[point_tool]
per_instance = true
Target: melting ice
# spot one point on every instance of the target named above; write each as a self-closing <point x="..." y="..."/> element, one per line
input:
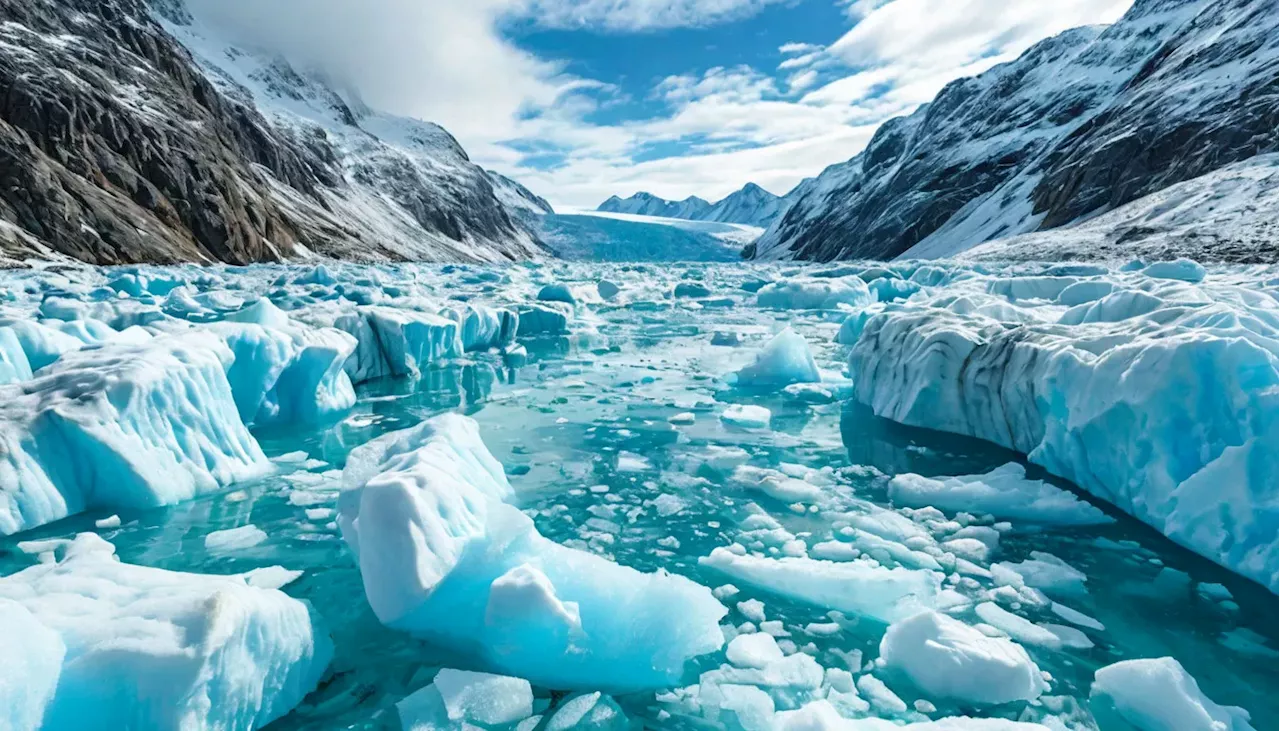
<point x="562" y="496"/>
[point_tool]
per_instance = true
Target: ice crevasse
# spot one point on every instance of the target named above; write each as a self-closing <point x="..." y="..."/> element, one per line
<point x="83" y="634"/>
<point x="1169" y="409"/>
<point x="444" y="557"/>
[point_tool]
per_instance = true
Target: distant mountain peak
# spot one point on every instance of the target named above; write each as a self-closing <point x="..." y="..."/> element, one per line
<point x="751" y="205"/>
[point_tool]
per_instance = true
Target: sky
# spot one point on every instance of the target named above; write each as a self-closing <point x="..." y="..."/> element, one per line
<point x="583" y="99"/>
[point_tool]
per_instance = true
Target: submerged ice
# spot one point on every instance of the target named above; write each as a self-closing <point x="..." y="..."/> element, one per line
<point x="567" y="496"/>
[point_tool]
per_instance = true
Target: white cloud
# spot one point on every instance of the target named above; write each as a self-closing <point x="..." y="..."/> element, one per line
<point x="441" y="61"/>
<point x="447" y="61"/>
<point x="633" y="15"/>
<point x="941" y="33"/>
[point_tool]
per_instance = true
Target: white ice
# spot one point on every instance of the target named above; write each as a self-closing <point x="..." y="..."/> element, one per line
<point x="1004" y="492"/>
<point x="442" y="556"/>
<point x="1158" y="695"/>
<point x="949" y="660"/>
<point x="210" y="651"/>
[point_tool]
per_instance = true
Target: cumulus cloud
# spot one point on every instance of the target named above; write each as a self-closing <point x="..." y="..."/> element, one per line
<point x="449" y="62"/>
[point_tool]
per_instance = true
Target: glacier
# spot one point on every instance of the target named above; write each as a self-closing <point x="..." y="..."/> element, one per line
<point x="700" y="495"/>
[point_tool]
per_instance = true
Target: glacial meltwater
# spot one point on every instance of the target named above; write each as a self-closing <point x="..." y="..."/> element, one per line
<point x="816" y="524"/>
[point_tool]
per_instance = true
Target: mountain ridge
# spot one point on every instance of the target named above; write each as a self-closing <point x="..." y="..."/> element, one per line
<point x="751" y="204"/>
<point x="132" y="135"/>
<point x="1081" y="123"/>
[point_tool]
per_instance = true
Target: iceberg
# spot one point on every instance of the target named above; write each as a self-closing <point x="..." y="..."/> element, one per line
<point x="443" y="557"/>
<point x="1173" y="416"/>
<point x="210" y="651"/>
<point x="784" y="361"/>
<point x="397" y="342"/>
<point x="801" y="293"/>
<point x="1158" y="695"/>
<point x="126" y="426"/>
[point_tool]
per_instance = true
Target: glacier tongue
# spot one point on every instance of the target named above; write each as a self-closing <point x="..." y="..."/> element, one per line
<point x="144" y="648"/>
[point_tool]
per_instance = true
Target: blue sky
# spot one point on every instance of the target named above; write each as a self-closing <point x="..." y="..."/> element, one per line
<point x="583" y="99"/>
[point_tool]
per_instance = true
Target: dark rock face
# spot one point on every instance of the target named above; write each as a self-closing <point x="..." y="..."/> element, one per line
<point x="1083" y="122"/>
<point x="115" y="147"/>
<point x="1156" y="138"/>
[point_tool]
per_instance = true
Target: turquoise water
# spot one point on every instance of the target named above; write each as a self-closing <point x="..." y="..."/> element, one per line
<point x="558" y="424"/>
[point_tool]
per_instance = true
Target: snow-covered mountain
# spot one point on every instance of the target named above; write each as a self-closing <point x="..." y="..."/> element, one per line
<point x="517" y="197"/>
<point x="131" y="133"/>
<point x="752" y="205"/>
<point x="1080" y="124"/>
<point x="648" y="204"/>
<point x="1228" y="215"/>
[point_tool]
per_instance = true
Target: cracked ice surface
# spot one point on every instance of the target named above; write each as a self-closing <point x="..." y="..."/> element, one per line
<point x="666" y="502"/>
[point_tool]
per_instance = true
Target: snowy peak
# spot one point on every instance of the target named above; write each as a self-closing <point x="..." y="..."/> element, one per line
<point x="752" y="205"/>
<point x="1078" y="125"/>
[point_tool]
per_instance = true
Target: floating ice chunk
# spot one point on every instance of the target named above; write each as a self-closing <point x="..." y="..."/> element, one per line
<point x="1018" y="628"/>
<point x="544" y="319"/>
<point x="482" y="328"/>
<point x="211" y="651"/>
<point x="755" y="650"/>
<point x="1004" y="492"/>
<point x="263" y="313"/>
<point x="588" y="712"/>
<point x="1076" y="617"/>
<point x="691" y="289"/>
<point x="557" y="293"/>
<point x="776" y="485"/>
<point x="271" y="577"/>
<point x="1183" y="270"/>
<point x="397" y="342"/>
<point x="234" y="539"/>
<point x="442" y="557"/>
<point x="607" y="290"/>
<point x="1046" y="572"/>
<point x="949" y="660"/>
<point x="294" y="375"/>
<point x="423" y="710"/>
<point x="112" y="521"/>
<point x="667" y="504"/>
<point x="1158" y="695"/>
<point x="857" y="588"/>
<point x="491" y="700"/>
<point x="631" y="462"/>
<point x="747" y="416"/>
<point x="120" y="427"/>
<point x="33" y="656"/>
<point x="878" y="693"/>
<point x="785" y="360"/>
<point x="801" y="293"/>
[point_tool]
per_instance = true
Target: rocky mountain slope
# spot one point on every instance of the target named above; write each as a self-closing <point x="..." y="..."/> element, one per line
<point x="128" y="134"/>
<point x="1081" y="123"/>
<point x="752" y="205"/>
